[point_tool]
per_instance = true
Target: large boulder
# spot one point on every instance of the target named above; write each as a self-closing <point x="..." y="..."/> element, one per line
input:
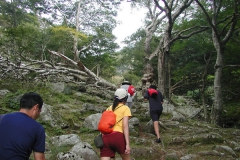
<point x="92" y="121"/>
<point x="64" y="140"/>
<point x="85" y="150"/>
<point x="47" y="115"/>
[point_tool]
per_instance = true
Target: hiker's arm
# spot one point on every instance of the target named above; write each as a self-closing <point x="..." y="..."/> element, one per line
<point x="161" y="98"/>
<point x="126" y="134"/>
<point x="134" y="94"/>
<point x="39" y="156"/>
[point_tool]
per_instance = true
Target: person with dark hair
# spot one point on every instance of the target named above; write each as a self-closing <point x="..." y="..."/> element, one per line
<point x="125" y="85"/>
<point x="118" y="141"/>
<point x="20" y="133"/>
<point x="155" y="100"/>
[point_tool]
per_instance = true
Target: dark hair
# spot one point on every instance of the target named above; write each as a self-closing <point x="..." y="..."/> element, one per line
<point x="153" y="86"/>
<point x="28" y="100"/>
<point x="116" y="102"/>
<point x="126" y="83"/>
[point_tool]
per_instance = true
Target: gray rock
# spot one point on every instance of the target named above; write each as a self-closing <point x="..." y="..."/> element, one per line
<point x="68" y="156"/>
<point x="172" y="156"/>
<point x="92" y="121"/>
<point x="225" y="149"/>
<point x="85" y="150"/>
<point x="178" y="117"/>
<point x="168" y="108"/>
<point x="48" y="116"/>
<point x="64" y="140"/>
<point x="189" y="157"/>
<point x="212" y="153"/>
<point x="171" y="124"/>
<point x="237" y="132"/>
<point x="57" y="87"/>
<point x="134" y="121"/>
<point x="4" y="92"/>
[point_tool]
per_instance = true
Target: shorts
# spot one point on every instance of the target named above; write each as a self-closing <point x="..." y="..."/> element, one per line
<point x="113" y="142"/>
<point x="155" y="115"/>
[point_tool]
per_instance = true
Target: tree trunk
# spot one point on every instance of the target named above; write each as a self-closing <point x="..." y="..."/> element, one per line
<point x="14" y="14"/>
<point x="161" y="75"/>
<point x="163" y="70"/>
<point x="218" y="102"/>
<point x="204" y="81"/>
<point x="147" y="78"/>
<point x="75" y="46"/>
<point x="203" y="97"/>
<point x="167" y="77"/>
<point x="221" y="33"/>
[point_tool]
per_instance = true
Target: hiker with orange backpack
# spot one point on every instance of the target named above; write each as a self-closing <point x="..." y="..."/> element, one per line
<point x="118" y="139"/>
<point x="155" y="100"/>
<point x="131" y="92"/>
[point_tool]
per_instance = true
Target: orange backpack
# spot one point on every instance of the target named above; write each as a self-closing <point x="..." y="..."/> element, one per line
<point x="107" y="121"/>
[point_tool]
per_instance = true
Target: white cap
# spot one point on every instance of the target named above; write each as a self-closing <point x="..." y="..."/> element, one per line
<point x="121" y="93"/>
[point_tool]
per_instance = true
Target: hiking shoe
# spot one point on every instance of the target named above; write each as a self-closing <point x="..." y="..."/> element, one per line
<point x="158" y="140"/>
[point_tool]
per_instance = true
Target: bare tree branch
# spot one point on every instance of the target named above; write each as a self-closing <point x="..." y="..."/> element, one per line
<point x="79" y="65"/>
<point x="180" y="36"/>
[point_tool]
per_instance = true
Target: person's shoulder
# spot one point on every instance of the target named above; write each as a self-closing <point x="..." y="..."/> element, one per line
<point x="126" y="108"/>
<point x="39" y="128"/>
<point x="14" y="113"/>
<point x="19" y="115"/>
<point x="123" y="107"/>
<point x="159" y="91"/>
<point x="109" y="108"/>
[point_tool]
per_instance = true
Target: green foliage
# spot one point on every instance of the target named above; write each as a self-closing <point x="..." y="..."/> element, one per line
<point x="85" y="130"/>
<point x="131" y="57"/>
<point x="188" y="63"/>
<point x="11" y="84"/>
<point x="58" y="131"/>
<point x="176" y="100"/>
<point x="232" y="110"/>
<point x="14" y="13"/>
<point x="131" y="78"/>
<point x="62" y="40"/>
<point x="13" y="104"/>
<point x="26" y="37"/>
<point x="87" y="99"/>
<point x="100" y="55"/>
<point x="57" y="149"/>
<point x="11" y="101"/>
<point x="52" y="131"/>
<point x="231" y="73"/>
<point x="67" y="90"/>
<point x="104" y="62"/>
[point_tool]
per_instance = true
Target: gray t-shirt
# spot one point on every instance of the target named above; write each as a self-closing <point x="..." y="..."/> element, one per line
<point x="130" y="98"/>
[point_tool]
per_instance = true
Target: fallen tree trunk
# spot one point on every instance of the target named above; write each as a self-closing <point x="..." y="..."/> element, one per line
<point x="34" y="70"/>
<point x="98" y="81"/>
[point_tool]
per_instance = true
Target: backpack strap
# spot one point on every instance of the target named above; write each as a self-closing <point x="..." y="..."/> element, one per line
<point x="108" y="109"/>
<point x="115" y="110"/>
<point x="118" y="107"/>
<point x="118" y="121"/>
